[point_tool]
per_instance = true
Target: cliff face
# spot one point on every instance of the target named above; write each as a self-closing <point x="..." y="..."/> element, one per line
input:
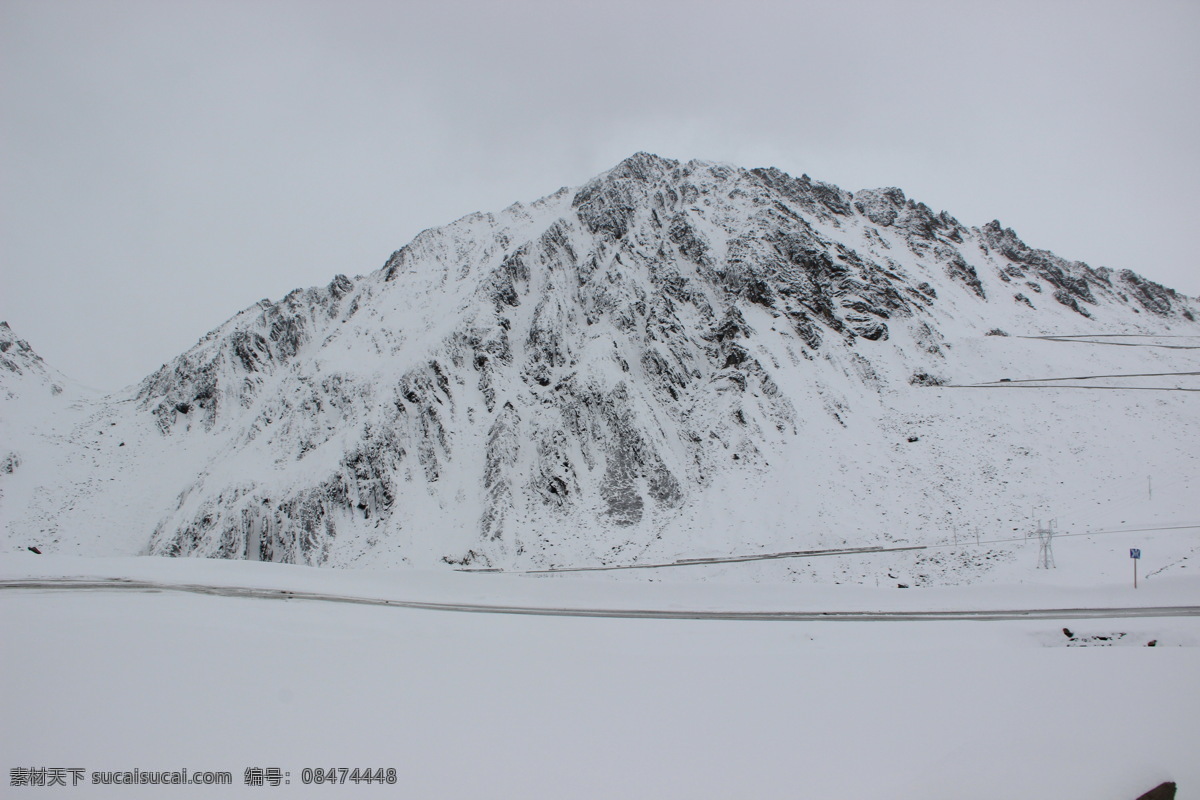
<point x="22" y="370"/>
<point x="609" y="373"/>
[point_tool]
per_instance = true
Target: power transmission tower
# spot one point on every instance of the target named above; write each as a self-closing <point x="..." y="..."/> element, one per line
<point x="1045" y="534"/>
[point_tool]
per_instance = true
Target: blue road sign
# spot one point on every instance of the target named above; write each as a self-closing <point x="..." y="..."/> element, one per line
<point x="1135" y="552"/>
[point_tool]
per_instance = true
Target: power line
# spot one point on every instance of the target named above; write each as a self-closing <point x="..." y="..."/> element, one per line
<point x="1082" y="533"/>
<point x="695" y="562"/>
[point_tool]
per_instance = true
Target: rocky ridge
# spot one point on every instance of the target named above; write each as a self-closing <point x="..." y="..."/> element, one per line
<point x="570" y="379"/>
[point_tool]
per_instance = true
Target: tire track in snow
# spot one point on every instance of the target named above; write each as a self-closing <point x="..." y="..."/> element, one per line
<point x="1018" y="385"/>
<point x="1095" y="377"/>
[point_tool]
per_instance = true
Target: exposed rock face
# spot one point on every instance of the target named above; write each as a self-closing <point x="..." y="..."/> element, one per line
<point x="585" y="366"/>
<point x="22" y="367"/>
<point x="1071" y="283"/>
<point x="1151" y="296"/>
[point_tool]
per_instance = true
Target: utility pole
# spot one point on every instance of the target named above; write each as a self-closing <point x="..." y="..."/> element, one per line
<point x="1045" y="536"/>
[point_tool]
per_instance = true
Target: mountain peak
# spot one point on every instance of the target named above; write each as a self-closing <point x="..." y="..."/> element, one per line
<point x="642" y="166"/>
<point x="609" y="375"/>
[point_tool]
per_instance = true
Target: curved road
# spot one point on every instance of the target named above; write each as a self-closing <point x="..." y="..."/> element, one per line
<point x="120" y="584"/>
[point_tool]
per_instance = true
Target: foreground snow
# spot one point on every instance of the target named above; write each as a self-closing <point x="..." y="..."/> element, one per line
<point x="481" y="705"/>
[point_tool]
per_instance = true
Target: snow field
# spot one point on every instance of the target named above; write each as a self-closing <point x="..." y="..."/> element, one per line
<point x="487" y="705"/>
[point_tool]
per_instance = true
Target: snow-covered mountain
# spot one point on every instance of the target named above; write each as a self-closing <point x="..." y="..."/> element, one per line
<point x="675" y="360"/>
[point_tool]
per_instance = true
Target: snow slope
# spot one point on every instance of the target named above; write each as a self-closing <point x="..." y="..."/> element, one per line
<point x="675" y="360"/>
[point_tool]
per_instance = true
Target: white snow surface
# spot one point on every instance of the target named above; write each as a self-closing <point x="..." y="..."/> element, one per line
<point x="675" y="361"/>
<point x="469" y="705"/>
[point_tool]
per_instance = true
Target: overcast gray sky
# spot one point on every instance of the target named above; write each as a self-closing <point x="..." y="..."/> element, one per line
<point x="165" y="164"/>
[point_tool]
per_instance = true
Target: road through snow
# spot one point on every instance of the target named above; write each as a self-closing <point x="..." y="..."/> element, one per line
<point x="124" y="585"/>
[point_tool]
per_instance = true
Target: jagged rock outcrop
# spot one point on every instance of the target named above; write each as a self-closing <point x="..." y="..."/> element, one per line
<point x="22" y="368"/>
